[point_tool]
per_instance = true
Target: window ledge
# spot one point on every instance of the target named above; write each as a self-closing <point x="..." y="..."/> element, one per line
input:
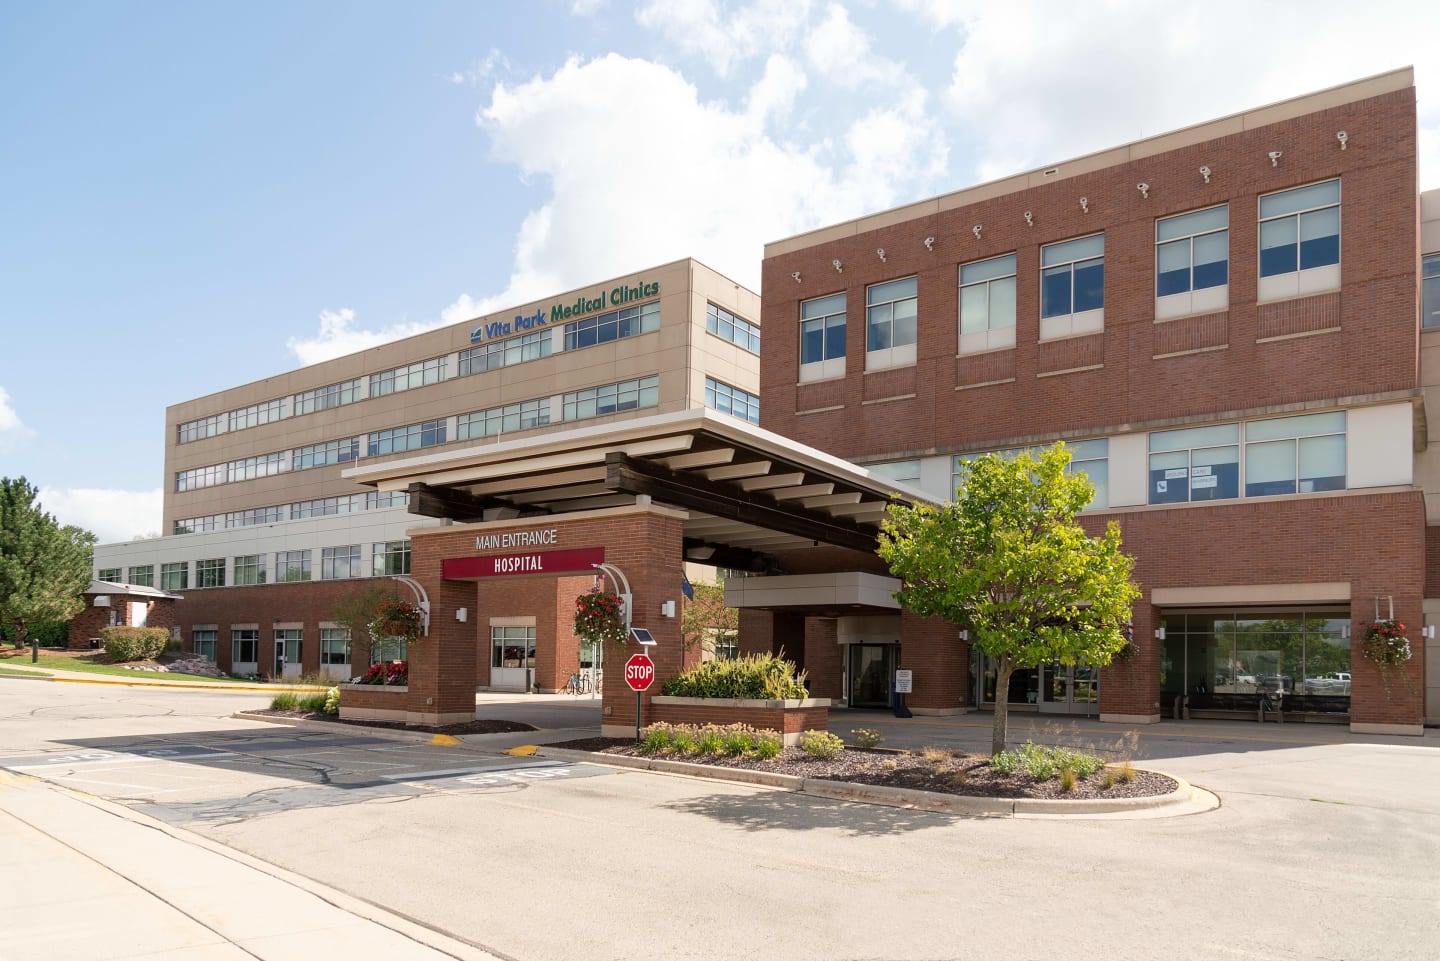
<point x="886" y="370"/>
<point x="1265" y="499"/>
<point x="1001" y="350"/>
<point x="1265" y="302"/>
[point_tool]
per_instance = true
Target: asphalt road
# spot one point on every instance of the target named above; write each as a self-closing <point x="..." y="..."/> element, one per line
<point x="1326" y="846"/>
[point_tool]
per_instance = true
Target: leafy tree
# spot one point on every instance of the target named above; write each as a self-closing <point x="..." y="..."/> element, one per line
<point x="357" y="611"/>
<point x="705" y="618"/>
<point x="1007" y="559"/>
<point x="44" y="568"/>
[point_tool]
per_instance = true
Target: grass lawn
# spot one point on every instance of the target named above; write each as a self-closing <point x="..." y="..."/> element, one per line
<point x="4" y="669"/>
<point x="12" y="660"/>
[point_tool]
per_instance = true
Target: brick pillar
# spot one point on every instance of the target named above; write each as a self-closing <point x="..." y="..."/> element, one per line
<point x="757" y="632"/>
<point x="931" y="648"/>
<point x="824" y="658"/>
<point x="647" y="546"/>
<point x="1130" y="689"/>
<point x="442" y="665"/>
<point x="1386" y="700"/>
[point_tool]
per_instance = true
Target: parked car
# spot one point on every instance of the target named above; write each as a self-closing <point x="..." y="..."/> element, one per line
<point x="1337" y="682"/>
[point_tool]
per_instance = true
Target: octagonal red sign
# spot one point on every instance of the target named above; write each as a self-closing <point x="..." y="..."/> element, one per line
<point x="639" y="672"/>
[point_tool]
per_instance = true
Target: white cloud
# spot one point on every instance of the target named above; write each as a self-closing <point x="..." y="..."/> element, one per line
<point x="840" y="51"/>
<point x="113" y="515"/>
<point x="12" y="428"/>
<point x="1041" y="82"/>
<point x="339" y="336"/>
<point x="664" y="175"/>
<point x="586" y="8"/>
<point x="698" y="27"/>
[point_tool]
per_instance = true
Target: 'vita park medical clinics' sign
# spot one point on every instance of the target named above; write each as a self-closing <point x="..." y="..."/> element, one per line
<point x="559" y="313"/>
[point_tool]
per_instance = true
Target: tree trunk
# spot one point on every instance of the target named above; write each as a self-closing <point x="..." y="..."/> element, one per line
<point x="1003" y="669"/>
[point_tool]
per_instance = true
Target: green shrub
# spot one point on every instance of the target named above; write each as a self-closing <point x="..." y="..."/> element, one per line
<point x="710" y="740"/>
<point x="729" y="740"/>
<point x="43" y="634"/>
<point x="754" y="676"/>
<point x="174" y="645"/>
<point x="332" y="701"/>
<point x="287" y="701"/>
<point x="1042" y="763"/>
<point x="134" y="643"/>
<point x="821" y="744"/>
<point x="767" y="747"/>
<point x="866" y="737"/>
<point x="684" y="740"/>
<point x="313" y="702"/>
<point x="657" y="739"/>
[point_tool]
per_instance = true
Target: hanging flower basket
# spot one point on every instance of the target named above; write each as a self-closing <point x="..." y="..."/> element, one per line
<point x="1386" y="644"/>
<point x="600" y="616"/>
<point x="396" y="619"/>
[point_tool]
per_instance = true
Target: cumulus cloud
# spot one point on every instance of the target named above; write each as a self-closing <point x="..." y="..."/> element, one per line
<point x="339" y="336"/>
<point x="112" y="515"/>
<point x="840" y="51"/>
<point x="586" y="8"/>
<point x="699" y="28"/>
<point x="1041" y="82"/>
<point x="12" y="428"/>
<point x="713" y="183"/>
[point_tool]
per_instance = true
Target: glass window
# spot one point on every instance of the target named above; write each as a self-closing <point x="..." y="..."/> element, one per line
<point x="1300" y="229"/>
<point x="512" y="646"/>
<point x="331" y="452"/>
<point x="1195" y="464"/>
<point x="987" y="304"/>
<point x="391" y="557"/>
<point x="410" y="437"/>
<point x="611" y="398"/>
<point x="210" y="573"/>
<point x="244" y="646"/>
<point x="324" y="398"/>
<point x="615" y="325"/>
<point x="142" y="576"/>
<point x="1072" y="278"/>
<point x="1430" y="291"/>
<point x="338" y="562"/>
<point x="900" y="471"/>
<point x="1289" y="455"/>
<point x="204" y="644"/>
<point x="1090" y="457"/>
<point x="250" y="569"/>
<point x="822" y="337"/>
<point x="890" y="321"/>
<point x="1192" y="251"/>
<point x="110" y="575"/>
<point x="410" y="376"/>
<point x="737" y="330"/>
<point x="292" y="566"/>
<point x="197" y="429"/>
<point x="503" y="353"/>
<point x="498" y="420"/>
<point x="335" y="648"/>
<point x="175" y="577"/>
<point x="731" y="400"/>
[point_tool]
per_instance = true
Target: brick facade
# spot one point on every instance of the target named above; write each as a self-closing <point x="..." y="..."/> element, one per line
<point x="86" y="626"/>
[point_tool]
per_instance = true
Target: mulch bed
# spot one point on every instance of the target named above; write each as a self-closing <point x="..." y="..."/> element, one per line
<point x="968" y="775"/>
<point x="468" y="727"/>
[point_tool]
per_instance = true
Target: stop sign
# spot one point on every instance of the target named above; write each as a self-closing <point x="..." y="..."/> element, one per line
<point x="639" y="672"/>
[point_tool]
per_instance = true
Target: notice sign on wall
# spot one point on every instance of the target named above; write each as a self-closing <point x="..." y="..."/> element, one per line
<point x="581" y="561"/>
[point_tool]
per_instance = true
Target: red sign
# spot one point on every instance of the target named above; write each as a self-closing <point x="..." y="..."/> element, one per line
<point x="639" y="672"/>
<point x="530" y="562"/>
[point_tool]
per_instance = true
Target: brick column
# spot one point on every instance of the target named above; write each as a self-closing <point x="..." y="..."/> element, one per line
<point x="1130" y="689"/>
<point x="1386" y="700"/>
<point x="824" y="659"/>
<point x="931" y="648"/>
<point x="442" y="666"/>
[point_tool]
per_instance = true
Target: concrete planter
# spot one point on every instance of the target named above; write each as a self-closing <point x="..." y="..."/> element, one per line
<point x="374" y="702"/>
<point x="790" y="718"/>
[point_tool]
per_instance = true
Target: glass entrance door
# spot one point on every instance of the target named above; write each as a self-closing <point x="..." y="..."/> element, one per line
<point x="1069" y="689"/>
<point x="871" y="668"/>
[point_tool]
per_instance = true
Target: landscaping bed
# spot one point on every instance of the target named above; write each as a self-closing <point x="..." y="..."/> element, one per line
<point x="935" y="770"/>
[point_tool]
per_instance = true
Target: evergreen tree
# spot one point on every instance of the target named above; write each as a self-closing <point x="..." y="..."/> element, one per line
<point x="44" y="568"/>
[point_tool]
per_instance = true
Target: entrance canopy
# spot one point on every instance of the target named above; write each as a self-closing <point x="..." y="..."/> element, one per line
<point x="748" y="492"/>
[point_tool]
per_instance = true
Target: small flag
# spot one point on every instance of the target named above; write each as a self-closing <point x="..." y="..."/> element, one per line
<point x="686" y="587"/>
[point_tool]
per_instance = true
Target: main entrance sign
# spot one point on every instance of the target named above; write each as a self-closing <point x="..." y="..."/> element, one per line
<point x="581" y="561"/>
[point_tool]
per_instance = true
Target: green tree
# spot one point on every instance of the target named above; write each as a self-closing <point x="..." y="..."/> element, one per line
<point x="706" y="618"/>
<point x="1007" y="560"/>
<point x="357" y="611"/>
<point x="44" y="568"/>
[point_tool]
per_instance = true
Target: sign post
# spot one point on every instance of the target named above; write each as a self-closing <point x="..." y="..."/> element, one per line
<point x="639" y="674"/>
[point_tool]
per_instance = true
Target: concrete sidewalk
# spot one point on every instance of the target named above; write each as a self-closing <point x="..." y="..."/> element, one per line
<point x="95" y="880"/>
<point x="33" y="672"/>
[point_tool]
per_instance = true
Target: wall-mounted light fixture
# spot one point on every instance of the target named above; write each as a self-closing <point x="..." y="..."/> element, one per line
<point x="1343" y="137"/>
<point x="667" y="608"/>
<point x="1205" y="172"/>
<point x="1144" y="189"/>
<point x="930" y="244"/>
<point x="976" y="230"/>
<point x="1159" y="633"/>
<point x="796" y="275"/>
<point x="880" y="252"/>
<point x="1274" y="156"/>
<point x="1029" y="219"/>
<point x="462" y="614"/>
<point x="1084" y="205"/>
<point x="836" y="264"/>
<point x="964" y="634"/>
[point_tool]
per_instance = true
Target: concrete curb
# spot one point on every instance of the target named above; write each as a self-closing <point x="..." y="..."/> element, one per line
<point x="1185" y="799"/>
<point x="173" y="685"/>
<point x="333" y="727"/>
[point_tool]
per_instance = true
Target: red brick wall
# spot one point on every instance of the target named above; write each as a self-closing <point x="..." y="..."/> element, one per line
<point x="931" y="648"/>
<point x="824" y="658"/>
<point x="1375" y="350"/>
<point x="88" y="623"/>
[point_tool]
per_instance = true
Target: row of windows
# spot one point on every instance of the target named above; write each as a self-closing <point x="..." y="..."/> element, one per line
<point x="1299" y="254"/>
<point x="386" y="558"/>
<point x="245" y="645"/>
<point x="331" y="452"/>
<point x="611" y="398"/>
<point x="732" y="400"/>
<point x="737" y="330"/>
<point x="500" y="420"/>
<point x="409" y="437"/>
<point x="1430" y="291"/>
<point x="1302" y="454"/>
<point x="639" y="319"/>
<point x="322" y="507"/>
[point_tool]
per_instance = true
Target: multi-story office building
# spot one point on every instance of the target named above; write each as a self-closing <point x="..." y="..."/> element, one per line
<point x="1221" y="323"/>
<point x="263" y="534"/>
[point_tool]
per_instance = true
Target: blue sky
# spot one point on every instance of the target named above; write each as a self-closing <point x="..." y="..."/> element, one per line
<point x="193" y="196"/>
